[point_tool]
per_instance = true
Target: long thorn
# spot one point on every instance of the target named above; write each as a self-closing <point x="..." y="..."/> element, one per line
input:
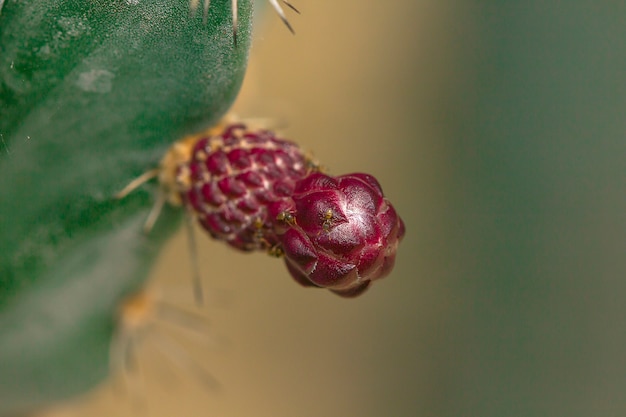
<point x="193" y="6"/>
<point x="133" y="377"/>
<point x="192" y="324"/>
<point x="171" y="349"/>
<point x="155" y="211"/>
<point x="193" y="254"/>
<point x="291" y="6"/>
<point x="181" y="317"/>
<point x="178" y="293"/>
<point x="205" y="14"/>
<point x="281" y="14"/>
<point x="137" y="182"/>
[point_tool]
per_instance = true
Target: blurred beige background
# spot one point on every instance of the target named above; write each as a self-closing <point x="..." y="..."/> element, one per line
<point x="362" y="88"/>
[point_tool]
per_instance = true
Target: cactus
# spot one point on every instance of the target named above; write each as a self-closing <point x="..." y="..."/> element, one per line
<point x="91" y="95"/>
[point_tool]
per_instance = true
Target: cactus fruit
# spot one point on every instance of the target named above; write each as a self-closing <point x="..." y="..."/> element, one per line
<point x="231" y="178"/>
<point x="258" y="192"/>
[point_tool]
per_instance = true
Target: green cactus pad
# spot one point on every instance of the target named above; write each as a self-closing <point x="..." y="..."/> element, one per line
<point x="91" y="95"/>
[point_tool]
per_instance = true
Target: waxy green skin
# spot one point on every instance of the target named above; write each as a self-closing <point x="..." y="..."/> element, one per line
<point x="92" y="93"/>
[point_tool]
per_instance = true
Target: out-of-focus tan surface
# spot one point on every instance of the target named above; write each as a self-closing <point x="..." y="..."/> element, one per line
<point x="362" y="85"/>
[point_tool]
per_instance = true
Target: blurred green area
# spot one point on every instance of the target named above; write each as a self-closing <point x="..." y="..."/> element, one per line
<point x="497" y="129"/>
<point x="540" y="192"/>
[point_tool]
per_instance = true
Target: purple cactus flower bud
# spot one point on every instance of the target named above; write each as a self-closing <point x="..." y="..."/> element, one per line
<point x="231" y="178"/>
<point x="257" y="192"/>
<point x="339" y="233"/>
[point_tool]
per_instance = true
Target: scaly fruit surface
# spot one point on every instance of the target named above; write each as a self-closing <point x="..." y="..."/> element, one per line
<point x="339" y="233"/>
<point x="258" y="192"/>
<point x="231" y="178"/>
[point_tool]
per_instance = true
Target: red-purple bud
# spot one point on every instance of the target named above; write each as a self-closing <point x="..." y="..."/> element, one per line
<point x="232" y="177"/>
<point x="255" y="191"/>
<point x="339" y="233"/>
